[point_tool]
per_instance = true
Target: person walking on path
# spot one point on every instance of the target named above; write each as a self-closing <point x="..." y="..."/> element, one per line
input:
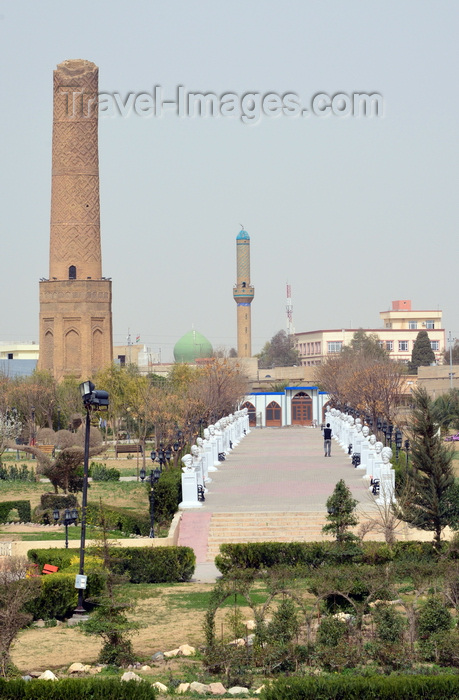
<point x="327" y="440"/>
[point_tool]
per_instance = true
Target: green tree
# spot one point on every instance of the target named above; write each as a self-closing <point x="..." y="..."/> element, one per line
<point x="422" y="355"/>
<point x="430" y="475"/>
<point x="341" y="516"/>
<point x="366" y="345"/>
<point x="109" y="621"/>
<point x="446" y="410"/>
<point x="280" y="351"/>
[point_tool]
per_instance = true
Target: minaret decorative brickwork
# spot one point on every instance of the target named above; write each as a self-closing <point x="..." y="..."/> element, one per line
<point x="243" y="294"/>
<point x="75" y="303"/>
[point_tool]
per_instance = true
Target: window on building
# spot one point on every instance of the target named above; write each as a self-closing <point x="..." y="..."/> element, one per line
<point x="388" y="325"/>
<point x="412" y="325"/>
<point x="10" y="355"/>
<point x="334" y="346"/>
<point x="318" y="347"/>
<point x="430" y="324"/>
<point x="435" y="345"/>
<point x="403" y="345"/>
<point x="389" y="345"/>
<point x="72" y="272"/>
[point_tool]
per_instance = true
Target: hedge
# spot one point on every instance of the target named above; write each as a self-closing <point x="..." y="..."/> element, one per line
<point x="168" y="495"/>
<point x="155" y="564"/>
<point x="58" y="596"/>
<point x="256" y="555"/>
<point x="119" y="519"/>
<point x="75" y="689"/>
<point x="442" y="687"/>
<point x="141" y="564"/>
<point x="23" y="508"/>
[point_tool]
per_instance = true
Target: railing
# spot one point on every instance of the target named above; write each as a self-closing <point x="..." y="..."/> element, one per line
<point x="5" y="549"/>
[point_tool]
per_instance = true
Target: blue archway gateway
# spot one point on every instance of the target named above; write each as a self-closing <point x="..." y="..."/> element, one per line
<point x="301" y="409"/>
<point x="273" y="415"/>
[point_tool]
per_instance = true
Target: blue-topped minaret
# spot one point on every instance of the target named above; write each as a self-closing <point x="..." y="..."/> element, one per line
<point x="243" y="294"/>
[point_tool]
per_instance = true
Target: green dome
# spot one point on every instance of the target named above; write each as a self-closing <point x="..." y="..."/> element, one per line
<point x="191" y="347"/>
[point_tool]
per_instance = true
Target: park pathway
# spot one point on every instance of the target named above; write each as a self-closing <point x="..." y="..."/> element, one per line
<point x="273" y="486"/>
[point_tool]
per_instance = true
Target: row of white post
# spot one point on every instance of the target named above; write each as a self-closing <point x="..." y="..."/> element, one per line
<point x="208" y="454"/>
<point x="375" y="459"/>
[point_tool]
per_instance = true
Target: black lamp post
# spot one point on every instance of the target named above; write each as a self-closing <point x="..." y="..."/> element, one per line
<point x="390" y="428"/>
<point x="398" y="442"/>
<point x="58" y="418"/>
<point x="407" y="449"/>
<point x="70" y="517"/>
<point x="93" y="400"/>
<point x="384" y="429"/>
<point x="154" y="476"/>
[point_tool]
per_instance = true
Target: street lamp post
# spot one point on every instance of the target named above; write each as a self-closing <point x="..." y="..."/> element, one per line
<point x="407" y="449"/>
<point x="398" y="442"/>
<point x="70" y="517"/>
<point x="154" y="477"/>
<point x="93" y="400"/>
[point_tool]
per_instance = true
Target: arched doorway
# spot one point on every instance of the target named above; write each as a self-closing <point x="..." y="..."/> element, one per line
<point x="301" y="409"/>
<point x="273" y="415"/>
<point x="252" y="413"/>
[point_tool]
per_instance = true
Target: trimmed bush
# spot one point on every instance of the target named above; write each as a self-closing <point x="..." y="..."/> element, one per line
<point x="50" y="501"/>
<point x="58" y="596"/>
<point x="155" y="564"/>
<point x="140" y="564"/>
<point x="22" y="507"/>
<point x="15" y="473"/>
<point x="380" y="687"/>
<point x="75" y="689"/>
<point x="262" y="555"/>
<point x="119" y="519"/>
<point x="168" y="495"/>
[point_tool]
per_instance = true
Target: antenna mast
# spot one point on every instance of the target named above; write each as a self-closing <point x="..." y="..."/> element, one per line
<point x="289" y="309"/>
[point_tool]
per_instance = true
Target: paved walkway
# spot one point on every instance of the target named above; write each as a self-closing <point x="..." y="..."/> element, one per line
<point x="272" y="470"/>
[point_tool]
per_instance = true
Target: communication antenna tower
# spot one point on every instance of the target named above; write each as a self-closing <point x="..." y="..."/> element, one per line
<point x="289" y="309"/>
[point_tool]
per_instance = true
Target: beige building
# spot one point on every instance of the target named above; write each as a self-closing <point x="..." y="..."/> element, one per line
<point x="18" y="351"/>
<point x="398" y="331"/>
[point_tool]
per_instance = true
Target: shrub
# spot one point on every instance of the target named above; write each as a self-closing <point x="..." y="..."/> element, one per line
<point x="119" y="519"/>
<point x="15" y="473"/>
<point x="100" y="472"/>
<point x="141" y="564"/>
<point x="257" y="555"/>
<point x="58" y="596"/>
<point x="381" y="687"/>
<point x="168" y="495"/>
<point x="75" y="689"/>
<point x="50" y="501"/>
<point x="155" y="564"/>
<point x="22" y="507"/>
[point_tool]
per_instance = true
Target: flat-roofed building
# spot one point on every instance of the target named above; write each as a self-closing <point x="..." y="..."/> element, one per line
<point x="400" y="327"/>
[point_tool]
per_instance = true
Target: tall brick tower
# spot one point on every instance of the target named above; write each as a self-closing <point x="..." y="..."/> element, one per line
<point x="243" y="294"/>
<point x="75" y="302"/>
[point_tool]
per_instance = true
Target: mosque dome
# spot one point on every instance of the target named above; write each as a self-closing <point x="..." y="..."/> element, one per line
<point x="191" y="347"/>
<point x="242" y="236"/>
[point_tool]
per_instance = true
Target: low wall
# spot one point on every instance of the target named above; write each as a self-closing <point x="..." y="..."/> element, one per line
<point x="20" y="548"/>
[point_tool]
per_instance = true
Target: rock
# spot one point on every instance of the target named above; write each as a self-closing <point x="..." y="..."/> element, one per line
<point x="199" y="687"/>
<point x="217" y="688"/>
<point x="182" y="688"/>
<point x="47" y="676"/>
<point x="187" y="650"/>
<point x="39" y="623"/>
<point x="238" y="690"/>
<point x="258" y="690"/>
<point x="158" y="656"/>
<point x="145" y="668"/>
<point x="238" y="642"/>
<point x="26" y="678"/>
<point x="130" y="676"/>
<point x="79" y="668"/>
<point x="93" y="670"/>
<point x="160" y="686"/>
<point x="35" y="674"/>
<point x="170" y="654"/>
<point x="250" y="624"/>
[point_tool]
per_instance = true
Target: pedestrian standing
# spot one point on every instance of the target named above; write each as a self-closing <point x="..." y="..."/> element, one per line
<point x="327" y="440"/>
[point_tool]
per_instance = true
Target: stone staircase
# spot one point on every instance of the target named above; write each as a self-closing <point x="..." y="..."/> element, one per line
<point x="263" y="527"/>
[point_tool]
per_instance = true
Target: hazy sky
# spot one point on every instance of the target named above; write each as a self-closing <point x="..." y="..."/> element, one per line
<point x="352" y="212"/>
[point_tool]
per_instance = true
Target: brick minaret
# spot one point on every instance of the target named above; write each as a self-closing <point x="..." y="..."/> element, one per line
<point x="75" y="303"/>
<point x="243" y="294"/>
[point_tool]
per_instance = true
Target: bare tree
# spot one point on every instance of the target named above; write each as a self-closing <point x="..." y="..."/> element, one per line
<point x="15" y="591"/>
